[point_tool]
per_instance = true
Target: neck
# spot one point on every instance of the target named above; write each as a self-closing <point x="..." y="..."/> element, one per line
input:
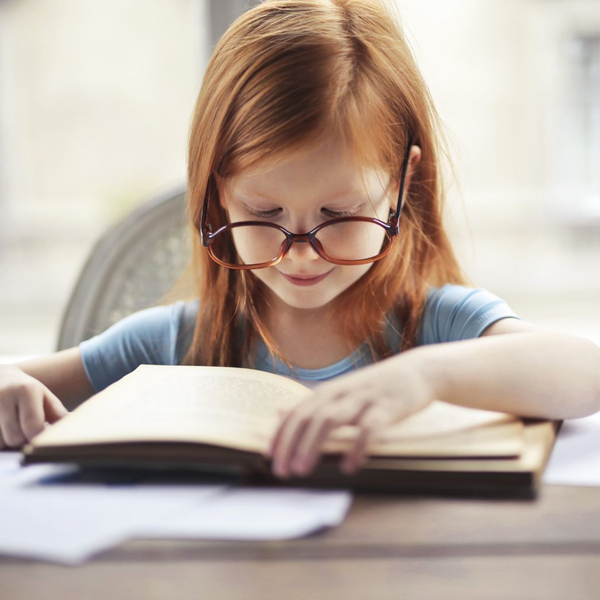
<point x="308" y="338"/>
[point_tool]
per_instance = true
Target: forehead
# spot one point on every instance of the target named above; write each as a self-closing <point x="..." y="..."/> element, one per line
<point x="324" y="173"/>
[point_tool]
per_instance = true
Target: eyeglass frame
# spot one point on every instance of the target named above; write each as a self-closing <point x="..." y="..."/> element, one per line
<point x="392" y="228"/>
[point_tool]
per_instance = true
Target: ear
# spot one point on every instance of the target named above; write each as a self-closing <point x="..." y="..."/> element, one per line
<point x="413" y="160"/>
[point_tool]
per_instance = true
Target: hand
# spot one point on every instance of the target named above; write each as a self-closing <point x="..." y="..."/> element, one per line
<point x="372" y="398"/>
<point x="25" y="405"/>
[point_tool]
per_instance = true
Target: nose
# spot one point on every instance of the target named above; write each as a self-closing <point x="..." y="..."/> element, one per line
<point x="301" y="250"/>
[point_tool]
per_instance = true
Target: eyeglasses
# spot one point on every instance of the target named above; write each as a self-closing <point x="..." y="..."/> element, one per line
<point x="342" y="241"/>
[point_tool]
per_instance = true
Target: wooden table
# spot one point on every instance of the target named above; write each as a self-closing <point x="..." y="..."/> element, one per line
<point x="388" y="547"/>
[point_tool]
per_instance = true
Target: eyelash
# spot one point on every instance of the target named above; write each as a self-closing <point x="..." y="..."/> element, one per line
<point x="272" y="213"/>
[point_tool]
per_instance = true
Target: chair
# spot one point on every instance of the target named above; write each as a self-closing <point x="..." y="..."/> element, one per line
<point x="129" y="268"/>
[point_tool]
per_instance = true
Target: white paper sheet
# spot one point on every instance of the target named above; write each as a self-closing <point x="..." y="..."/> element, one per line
<point x="257" y="514"/>
<point x="69" y="523"/>
<point x="43" y="516"/>
<point x="575" y="458"/>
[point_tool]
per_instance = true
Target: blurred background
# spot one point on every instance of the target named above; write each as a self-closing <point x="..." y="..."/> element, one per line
<point x="96" y="101"/>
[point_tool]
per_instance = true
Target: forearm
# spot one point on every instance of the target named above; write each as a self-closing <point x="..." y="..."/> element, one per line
<point x="533" y="374"/>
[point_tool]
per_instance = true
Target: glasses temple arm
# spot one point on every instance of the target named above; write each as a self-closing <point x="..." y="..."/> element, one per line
<point x="396" y="215"/>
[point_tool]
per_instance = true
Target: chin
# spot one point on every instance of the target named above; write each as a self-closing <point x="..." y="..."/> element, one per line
<point x="309" y="297"/>
<point x="306" y="302"/>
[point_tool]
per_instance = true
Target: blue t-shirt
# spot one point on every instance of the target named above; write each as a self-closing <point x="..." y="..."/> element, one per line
<point x="162" y="335"/>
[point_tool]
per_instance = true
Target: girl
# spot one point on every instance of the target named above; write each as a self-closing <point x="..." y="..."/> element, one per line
<point x="315" y="206"/>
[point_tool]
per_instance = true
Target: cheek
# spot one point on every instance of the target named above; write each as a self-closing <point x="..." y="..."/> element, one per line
<point x="265" y="275"/>
<point x="356" y="272"/>
<point x="271" y="278"/>
<point x="345" y="276"/>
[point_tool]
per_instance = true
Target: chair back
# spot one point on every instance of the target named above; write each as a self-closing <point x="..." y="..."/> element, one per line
<point x="129" y="268"/>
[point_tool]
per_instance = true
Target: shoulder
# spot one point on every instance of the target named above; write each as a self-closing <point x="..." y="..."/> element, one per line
<point x="155" y="335"/>
<point x="165" y="321"/>
<point x="455" y="312"/>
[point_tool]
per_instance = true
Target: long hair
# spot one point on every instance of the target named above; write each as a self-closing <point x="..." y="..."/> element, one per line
<point x="283" y="77"/>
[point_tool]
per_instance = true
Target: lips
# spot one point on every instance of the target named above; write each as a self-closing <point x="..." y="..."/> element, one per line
<point x="305" y="276"/>
<point x="306" y="279"/>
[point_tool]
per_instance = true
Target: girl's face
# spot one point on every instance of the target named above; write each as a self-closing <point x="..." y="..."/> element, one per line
<point x="299" y="195"/>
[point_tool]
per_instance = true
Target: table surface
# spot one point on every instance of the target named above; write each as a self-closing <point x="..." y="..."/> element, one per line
<point x="388" y="547"/>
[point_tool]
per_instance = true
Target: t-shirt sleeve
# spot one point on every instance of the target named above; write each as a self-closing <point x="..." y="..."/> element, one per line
<point x="150" y="336"/>
<point x="455" y="312"/>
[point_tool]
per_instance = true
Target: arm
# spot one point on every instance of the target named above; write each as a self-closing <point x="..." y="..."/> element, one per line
<point x="530" y="372"/>
<point x="154" y="335"/>
<point x="63" y="374"/>
<point x="35" y="391"/>
<point x="533" y="372"/>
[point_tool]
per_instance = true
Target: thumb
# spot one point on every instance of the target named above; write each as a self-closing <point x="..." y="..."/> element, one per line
<point x="53" y="407"/>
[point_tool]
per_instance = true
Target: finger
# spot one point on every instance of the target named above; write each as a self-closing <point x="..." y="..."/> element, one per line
<point x="364" y="405"/>
<point x="292" y="429"/>
<point x="309" y="449"/>
<point x="282" y="414"/>
<point x="287" y="414"/>
<point x="31" y="414"/>
<point x="9" y="426"/>
<point x="307" y="406"/>
<point x="371" y="421"/>
<point x="53" y="407"/>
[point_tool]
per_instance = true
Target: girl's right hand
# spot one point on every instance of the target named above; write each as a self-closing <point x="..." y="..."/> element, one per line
<point x="25" y="405"/>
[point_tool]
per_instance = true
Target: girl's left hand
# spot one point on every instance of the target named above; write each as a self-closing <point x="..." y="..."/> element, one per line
<point x="372" y="398"/>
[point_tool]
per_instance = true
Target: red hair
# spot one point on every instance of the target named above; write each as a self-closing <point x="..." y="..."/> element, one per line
<point x="283" y="77"/>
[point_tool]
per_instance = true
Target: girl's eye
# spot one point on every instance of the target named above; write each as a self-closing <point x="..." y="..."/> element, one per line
<point x="271" y="213"/>
<point x="262" y="213"/>
<point x="345" y="213"/>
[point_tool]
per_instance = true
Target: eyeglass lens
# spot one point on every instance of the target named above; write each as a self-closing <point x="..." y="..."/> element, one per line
<point x="258" y="244"/>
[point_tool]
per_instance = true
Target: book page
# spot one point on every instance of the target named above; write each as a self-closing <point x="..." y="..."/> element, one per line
<point x="237" y="408"/>
<point x="488" y="441"/>
<point x="442" y="429"/>
<point x="226" y="406"/>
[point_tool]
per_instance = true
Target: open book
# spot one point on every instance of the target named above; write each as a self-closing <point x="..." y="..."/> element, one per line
<point x="223" y="418"/>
